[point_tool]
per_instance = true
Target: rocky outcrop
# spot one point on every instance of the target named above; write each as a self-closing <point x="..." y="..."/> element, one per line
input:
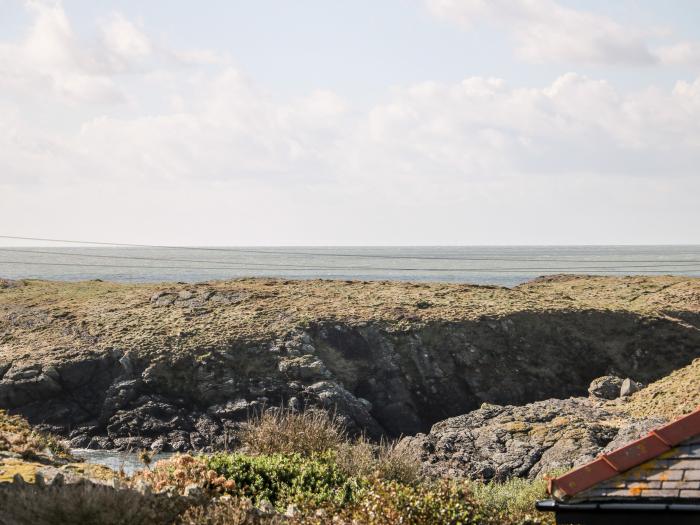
<point x="182" y="367"/>
<point x="499" y="442"/>
<point x="606" y="387"/>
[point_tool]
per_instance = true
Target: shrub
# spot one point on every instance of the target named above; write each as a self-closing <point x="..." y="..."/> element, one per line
<point x="287" y="431"/>
<point x="17" y="436"/>
<point x="285" y="478"/>
<point x="232" y="512"/>
<point x="513" y="499"/>
<point x="365" y="459"/>
<point x="390" y="502"/>
<point x="177" y="472"/>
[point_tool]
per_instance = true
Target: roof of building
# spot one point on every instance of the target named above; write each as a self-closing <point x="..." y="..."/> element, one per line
<point x="663" y="464"/>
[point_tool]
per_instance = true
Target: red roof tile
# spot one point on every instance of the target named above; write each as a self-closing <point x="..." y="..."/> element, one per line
<point x="609" y="465"/>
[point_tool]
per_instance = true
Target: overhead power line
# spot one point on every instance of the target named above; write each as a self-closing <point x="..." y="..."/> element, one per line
<point x="227" y="264"/>
<point x="494" y="270"/>
<point x="321" y="254"/>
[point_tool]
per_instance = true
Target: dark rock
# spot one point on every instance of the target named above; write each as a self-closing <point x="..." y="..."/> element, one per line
<point x="238" y="410"/>
<point x="499" y="442"/>
<point x="377" y="377"/>
<point x="179" y="441"/>
<point x="100" y="442"/>
<point x="305" y="368"/>
<point x="606" y="387"/>
<point x="80" y="441"/>
<point x="349" y="410"/>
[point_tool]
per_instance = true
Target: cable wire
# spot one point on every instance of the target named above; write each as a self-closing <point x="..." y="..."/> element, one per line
<point x="268" y="266"/>
<point x="595" y="269"/>
<point x="311" y="254"/>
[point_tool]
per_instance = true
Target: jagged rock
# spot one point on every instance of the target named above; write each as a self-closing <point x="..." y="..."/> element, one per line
<point x="100" y="442"/>
<point x="305" y="368"/>
<point x="347" y="408"/>
<point x="629" y="387"/>
<point x="633" y="429"/>
<point x="80" y="441"/>
<point x="606" y="387"/>
<point x="499" y="442"/>
<point x="127" y="365"/>
<point x="51" y="372"/>
<point x="237" y="410"/>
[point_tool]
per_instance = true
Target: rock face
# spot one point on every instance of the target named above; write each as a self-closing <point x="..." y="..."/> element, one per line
<point x="499" y="442"/>
<point x="183" y="367"/>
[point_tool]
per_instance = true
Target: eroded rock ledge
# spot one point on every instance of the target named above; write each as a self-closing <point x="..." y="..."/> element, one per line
<point x="500" y="442"/>
<point x="181" y="367"/>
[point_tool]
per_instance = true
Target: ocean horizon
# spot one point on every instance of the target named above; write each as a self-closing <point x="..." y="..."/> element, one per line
<point x="492" y="265"/>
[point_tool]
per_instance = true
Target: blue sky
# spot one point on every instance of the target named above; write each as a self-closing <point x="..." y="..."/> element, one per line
<point x="312" y="122"/>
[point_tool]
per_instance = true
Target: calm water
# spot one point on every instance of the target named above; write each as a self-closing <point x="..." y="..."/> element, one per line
<point x="127" y="461"/>
<point x="505" y="265"/>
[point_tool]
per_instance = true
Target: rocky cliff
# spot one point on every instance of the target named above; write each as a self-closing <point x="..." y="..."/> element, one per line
<point x="499" y="442"/>
<point x="181" y="366"/>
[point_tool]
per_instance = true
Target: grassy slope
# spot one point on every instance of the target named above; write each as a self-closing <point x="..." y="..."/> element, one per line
<point x="42" y="320"/>
<point x="671" y="396"/>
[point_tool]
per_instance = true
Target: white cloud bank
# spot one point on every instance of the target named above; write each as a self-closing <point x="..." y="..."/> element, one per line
<point x="546" y="31"/>
<point x="85" y="152"/>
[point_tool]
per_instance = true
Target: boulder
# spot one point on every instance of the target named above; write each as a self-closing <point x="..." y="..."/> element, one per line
<point x="606" y="387"/>
<point x="629" y="387"/>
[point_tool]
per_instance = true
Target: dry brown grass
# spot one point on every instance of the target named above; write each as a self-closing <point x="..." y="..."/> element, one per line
<point x="362" y="458"/>
<point x="672" y="396"/>
<point x="233" y="511"/>
<point x="85" y="504"/>
<point x="18" y="437"/>
<point x="49" y="321"/>
<point x="286" y="431"/>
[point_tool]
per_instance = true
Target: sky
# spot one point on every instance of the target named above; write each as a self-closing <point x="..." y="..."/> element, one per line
<point x="308" y="122"/>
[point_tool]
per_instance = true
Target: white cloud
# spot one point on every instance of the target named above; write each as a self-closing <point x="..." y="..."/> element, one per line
<point x="546" y="31"/>
<point x="219" y="159"/>
<point x="681" y="53"/>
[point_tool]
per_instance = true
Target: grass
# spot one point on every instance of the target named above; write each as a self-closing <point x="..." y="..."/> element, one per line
<point x="672" y="396"/>
<point x="45" y="321"/>
<point x="324" y="478"/>
<point x="287" y="431"/>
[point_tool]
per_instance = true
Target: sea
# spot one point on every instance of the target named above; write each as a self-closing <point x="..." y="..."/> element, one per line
<point x="492" y="265"/>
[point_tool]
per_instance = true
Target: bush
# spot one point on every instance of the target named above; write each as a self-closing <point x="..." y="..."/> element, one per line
<point x="390" y="502"/>
<point x="232" y="512"/>
<point x="17" y="436"/>
<point x="288" y="432"/>
<point x="365" y="459"/>
<point x="178" y="472"/>
<point x="285" y="478"/>
<point x="513" y="500"/>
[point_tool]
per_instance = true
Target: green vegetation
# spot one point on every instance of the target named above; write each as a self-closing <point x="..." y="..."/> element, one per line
<point x="325" y="478"/>
<point x="282" y="479"/>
